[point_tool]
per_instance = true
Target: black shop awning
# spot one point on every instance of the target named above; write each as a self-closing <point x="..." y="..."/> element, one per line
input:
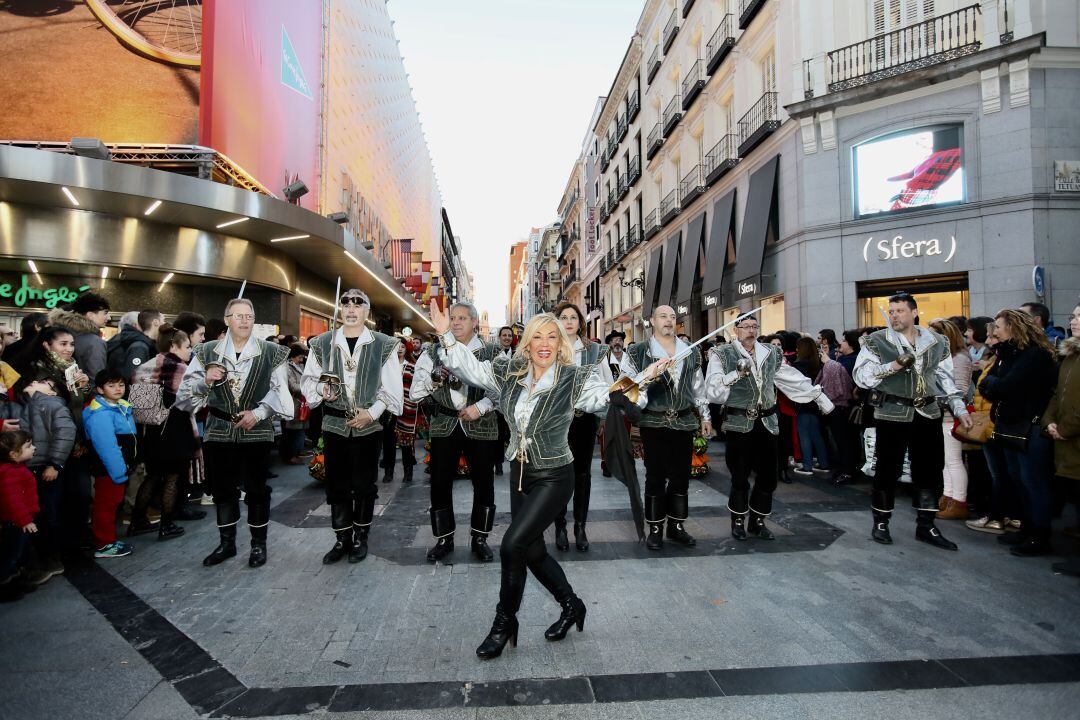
<point x="691" y="262"/>
<point x="722" y="224"/>
<point x="652" y="285"/>
<point x="755" y="227"/>
<point x="669" y="270"/>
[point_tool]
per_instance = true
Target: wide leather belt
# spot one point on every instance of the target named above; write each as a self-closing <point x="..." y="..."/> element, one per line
<point x="671" y="415"/>
<point x="334" y="412"/>
<point x="919" y="402"/>
<point x="753" y="413"/>
<point x="443" y="410"/>
<point x="219" y="413"/>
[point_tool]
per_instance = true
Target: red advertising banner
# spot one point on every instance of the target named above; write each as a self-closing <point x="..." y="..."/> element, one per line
<point x="261" y="92"/>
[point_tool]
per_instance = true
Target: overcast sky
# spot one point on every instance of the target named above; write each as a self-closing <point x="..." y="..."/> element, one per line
<point x="505" y="90"/>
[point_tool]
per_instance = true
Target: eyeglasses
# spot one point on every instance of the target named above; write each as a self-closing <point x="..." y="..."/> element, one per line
<point x="353" y="300"/>
<point x="241" y="318"/>
<point x="749" y="327"/>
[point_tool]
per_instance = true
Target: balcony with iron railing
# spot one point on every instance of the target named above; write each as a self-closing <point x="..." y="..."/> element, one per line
<point x="653" y="66"/>
<point x="605" y="159"/>
<point x="621" y="127"/>
<point x="672" y="115"/>
<point x="612" y="201"/>
<point x="720" y="159"/>
<point x="624" y="187"/>
<point x="747" y="10"/>
<point x="633" y="106"/>
<point x="687" y="4"/>
<point x="651" y="224"/>
<point x="633" y="237"/>
<point x="692" y="85"/>
<point x="692" y="185"/>
<point x="917" y="46"/>
<point x="758" y="123"/>
<point x="719" y="45"/>
<point x="613" y="147"/>
<point x="633" y="171"/>
<point x="671" y="30"/>
<point x="654" y="142"/>
<point x="603" y="212"/>
<point x="670" y="207"/>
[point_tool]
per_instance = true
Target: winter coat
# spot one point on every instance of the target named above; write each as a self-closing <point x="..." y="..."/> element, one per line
<point x="111" y="431"/>
<point x="18" y="494"/>
<point x="89" y="346"/>
<point x="174" y="442"/>
<point x="128" y="350"/>
<point x="1020" y="384"/>
<point x="1064" y="409"/>
<point x="50" y="424"/>
<point x="43" y="369"/>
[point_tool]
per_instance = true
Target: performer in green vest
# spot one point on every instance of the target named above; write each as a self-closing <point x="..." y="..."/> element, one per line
<point x="461" y="418"/>
<point x="743" y="377"/>
<point x="908" y="368"/>
<point x="369" y="373"/>
<point x="539" y="391"/>
<point x="582" y="431"/>
<point x="244" y="383"/>
<point x="676" y="410"/>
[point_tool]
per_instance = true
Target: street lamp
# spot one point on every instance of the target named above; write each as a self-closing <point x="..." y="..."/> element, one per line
<point x="637" y="282"/>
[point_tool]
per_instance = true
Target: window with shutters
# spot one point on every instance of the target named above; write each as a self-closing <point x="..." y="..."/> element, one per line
<point x="768" y="73"/>
<point x="889" y="15"/>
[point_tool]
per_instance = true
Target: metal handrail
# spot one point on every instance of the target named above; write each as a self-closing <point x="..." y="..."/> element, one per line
<point x="722" y="33"/>
<point x="761" y="112"/>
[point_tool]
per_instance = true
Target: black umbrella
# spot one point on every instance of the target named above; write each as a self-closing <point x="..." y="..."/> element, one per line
<point x="619" y="453"/>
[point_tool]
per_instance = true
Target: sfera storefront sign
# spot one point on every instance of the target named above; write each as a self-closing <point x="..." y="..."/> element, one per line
<point x="900" y="249"/>
<point x="47" y="296"/>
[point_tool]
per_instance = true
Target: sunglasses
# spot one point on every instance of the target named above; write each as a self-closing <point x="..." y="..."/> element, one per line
<point x="353" y="300"/>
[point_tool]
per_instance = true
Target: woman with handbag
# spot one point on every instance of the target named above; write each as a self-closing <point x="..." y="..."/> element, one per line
<point x="1020" y="385"/>
<point x="953" y="503"/>
<point x="1062" y="419"/>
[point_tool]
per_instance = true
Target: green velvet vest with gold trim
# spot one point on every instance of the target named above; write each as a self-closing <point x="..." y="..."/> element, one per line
<point x="368" y="379"/>
<point x="221" y="397"/>
<point x="440" y="410"/>
<point x="665" y="395"/>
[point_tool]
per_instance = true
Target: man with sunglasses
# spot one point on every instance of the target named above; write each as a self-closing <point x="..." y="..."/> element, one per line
<point x="244" y="383"/>
<point x="744" y="376"/>
<point x="366" y="383"/>
<point x="460" y="419"/>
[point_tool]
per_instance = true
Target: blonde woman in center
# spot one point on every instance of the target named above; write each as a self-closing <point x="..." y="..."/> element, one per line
<point x="539" y="389"/>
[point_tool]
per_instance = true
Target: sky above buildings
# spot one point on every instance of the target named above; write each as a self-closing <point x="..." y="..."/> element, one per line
<point x="505" y="90"/>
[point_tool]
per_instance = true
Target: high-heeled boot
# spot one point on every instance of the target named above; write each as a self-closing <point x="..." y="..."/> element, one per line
<point x="228" y="514"/>
<point x="573" y="613"/>
<point x="504" y="629"/>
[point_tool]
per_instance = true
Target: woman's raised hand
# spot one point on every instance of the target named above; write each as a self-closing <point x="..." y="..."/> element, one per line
<point x="439" y="318"/>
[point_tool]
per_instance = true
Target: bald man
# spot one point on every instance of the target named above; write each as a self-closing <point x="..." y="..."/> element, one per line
<point x="677" y="408"/>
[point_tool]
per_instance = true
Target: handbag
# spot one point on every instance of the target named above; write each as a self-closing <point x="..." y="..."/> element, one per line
<point x="148" y="403"/>
<point x="979" y="432"/>
<point x="1014" y="434"/>
<point x="303" y="412"/>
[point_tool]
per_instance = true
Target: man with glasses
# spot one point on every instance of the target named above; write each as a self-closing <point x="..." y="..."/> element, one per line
<point x="744" y="376"/>
<point x="244" y="383"/>
<point x="366" y="383"/>
<point x="460" y="419"/>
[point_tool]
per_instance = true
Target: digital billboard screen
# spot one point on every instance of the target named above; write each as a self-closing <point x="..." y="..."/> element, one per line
<point x="911" y="169"/>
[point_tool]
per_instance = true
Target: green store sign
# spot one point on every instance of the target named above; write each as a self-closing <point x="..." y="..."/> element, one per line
<point x="27" y="294"/>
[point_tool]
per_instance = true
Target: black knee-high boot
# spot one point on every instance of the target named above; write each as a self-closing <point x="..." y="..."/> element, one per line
<point x="678" y="509"/>
<point x="655" y="513"/>
<point x="881" y="504"/>
<point x="483" y="519"/>
<point x="582" y="493"/>
<point x="228" y="514"/>
<point x="259" y="523"/>
<point x="925" y="530"/>
<point x="341" y="521"/>
<point x="442" y="527"/>
<point x="363" y="511"/>
<point x="739" y="507"/>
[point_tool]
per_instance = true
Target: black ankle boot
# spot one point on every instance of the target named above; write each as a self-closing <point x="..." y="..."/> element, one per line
<point x="363" y="512"/>
<point x="228" y="514"/>
<point x="573" y="613"/>
<point x="678" y="508"/>
<point x="341" y="522"/>
<point x="581" y="540"/>
<point x="168" y="530"/>
<point x="359" y="548"/>
<point x="738" y="526"/>
<point x="442" y="526"/>
<point x="480" y="548"/>
<point x="756" y="527"/>
<point x="927" y="532"/>
<point x="482" y="520"/>
<point x="504" y="630"/>
<point x="881" y="504"/>
<point x="562" y="542"/>
<point x="655" y="512"/>
<point x="259" y="522"/>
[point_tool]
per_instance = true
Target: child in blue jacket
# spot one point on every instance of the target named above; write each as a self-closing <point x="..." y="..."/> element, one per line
<point x="110" y="429"/>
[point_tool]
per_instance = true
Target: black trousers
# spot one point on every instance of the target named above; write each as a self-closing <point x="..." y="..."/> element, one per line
<point x="667" y="460"/>
<point x="502" y="442"/>
<point x="846" y="438"/>
<point x="532" y="509"/>
<point x="582" y="440"/>
<point x="352" y="467"/>
<point x="752" y="452"/>
<point x="922" y="440"/>
<point x="389" y="447"/>
<point x="232" y="466"/>
<point x="444" y="463"/>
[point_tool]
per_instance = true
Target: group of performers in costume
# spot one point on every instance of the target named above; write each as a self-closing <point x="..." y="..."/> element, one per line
<point x="548" y="393"/>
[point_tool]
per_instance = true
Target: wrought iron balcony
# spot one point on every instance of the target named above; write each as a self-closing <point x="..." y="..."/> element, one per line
<point x="719" y="45"/>
<point x="692" y="85"/>
<point x="924" y="44"/>
<point x="621" y="127"/>
<point x="612" y="201"/>
<point x="672" y="115"/>
<point x="604" y="159"/>
<point x="653" y="66"/>
<point x="692" y="185"/>
<point x="652" y="224"/>
<point x="720" y="159"/>
<point x="670" y="207"/>
<point x="633" y="106"/>
<point x="654" y="142"/>
<point x="633" y="237"/>
<point x="671" y="30"/>
<point x="613" y="146"/>
<point x="604" y="214"/>
<point x="633" y="171"/>
<point x="687" y="4"/>
<point x="624" y="187"/>
<point x="758" y="123"/>
<point x="747" y="10"/>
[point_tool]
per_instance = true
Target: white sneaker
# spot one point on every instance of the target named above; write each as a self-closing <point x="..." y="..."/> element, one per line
<point x="206" y="500"/>
<point x="986" y="525"/>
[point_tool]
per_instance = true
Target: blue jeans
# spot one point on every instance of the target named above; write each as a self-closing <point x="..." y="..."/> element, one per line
<point x="12" y="549"/>
<point x="812" y="441"/>
<point x="1026" y="474"/>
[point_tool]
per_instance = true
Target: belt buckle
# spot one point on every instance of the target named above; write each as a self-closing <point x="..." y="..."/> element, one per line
<point x="671" y="415"/>
<point x="753" y="413"/>
<point x="578" y="413"/>
<point x="920" y="402"/>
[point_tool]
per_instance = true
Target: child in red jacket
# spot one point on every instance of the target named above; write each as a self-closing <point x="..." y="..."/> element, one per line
<point x="18" y="506"/>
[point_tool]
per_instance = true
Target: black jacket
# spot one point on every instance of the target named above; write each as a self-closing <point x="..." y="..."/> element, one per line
<point x="128" y="350"/>
<point x="1020" y="384"/>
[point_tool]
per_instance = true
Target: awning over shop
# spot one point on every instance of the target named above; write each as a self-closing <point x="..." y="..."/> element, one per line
<point x="755" y="227"/>
<point x="648" y="301"/>
<point x="716" y="250"/>
<point x="691" y="262"/>
<point x="670" y="268"/>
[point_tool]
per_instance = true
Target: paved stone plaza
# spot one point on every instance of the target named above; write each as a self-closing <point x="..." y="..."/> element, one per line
<point x="820" y="623"/>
